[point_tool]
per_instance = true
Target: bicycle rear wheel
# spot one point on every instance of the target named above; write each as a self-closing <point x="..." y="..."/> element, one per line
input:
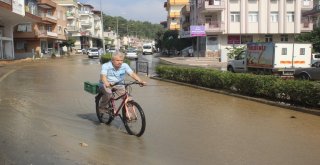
<point x="134" y="121"/>
<point x="104" y="114"/>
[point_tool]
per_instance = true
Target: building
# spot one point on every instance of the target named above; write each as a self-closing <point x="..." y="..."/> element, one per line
<point x="12" y="14"/>
<point x="42" y="38"/>
<point x="37" y="28"/>
<point x="235" y="22"/>
<point x="173" y="7"/>
<point x="72" y="17"/>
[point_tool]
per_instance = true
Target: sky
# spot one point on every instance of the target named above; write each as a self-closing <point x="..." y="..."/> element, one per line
<point x="138" y="10"/>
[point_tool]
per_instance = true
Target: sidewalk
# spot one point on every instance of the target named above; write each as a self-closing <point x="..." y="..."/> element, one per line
<point x="206" y="62"/>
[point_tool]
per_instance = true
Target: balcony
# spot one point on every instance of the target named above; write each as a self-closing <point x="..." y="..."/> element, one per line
<point x="174" y="14"/>
<point x="70" y="15"/>
<point x="178" y="2"/>
<point x="48" y="19"/>
<point x="97" y="27"/>
<point x="47" y="4"/>
<point x="86" y="23"/>
<point x="214" y="27"/>
<point x="174" y="27"/>
<point x="212" y="6"/>
<point x="306" y="26"/>
<point x="85" y="12"/>
<point x="306" y="5"/>
<point x="73" y="28"/>
<point x="6" y="1"/>
<point x="47" y="34"/>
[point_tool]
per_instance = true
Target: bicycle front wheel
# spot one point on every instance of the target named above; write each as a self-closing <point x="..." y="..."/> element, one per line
<point x="133" y="118"/>
<point x="104" y="114"/>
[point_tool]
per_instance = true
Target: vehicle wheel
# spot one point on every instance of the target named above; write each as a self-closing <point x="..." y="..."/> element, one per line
<point x="230" y="69"/>
<point x="134" y="121"/>
<point x="304" y="76"/>
<point x="104" y="114"/>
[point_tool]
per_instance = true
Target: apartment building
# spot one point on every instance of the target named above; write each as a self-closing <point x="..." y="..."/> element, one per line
<point x="235" y="22"/>
<point x="72" y="16"/>
<point x="12" y="14"/>
<point x="173" y="7"/>
<point x="313" y="15"/>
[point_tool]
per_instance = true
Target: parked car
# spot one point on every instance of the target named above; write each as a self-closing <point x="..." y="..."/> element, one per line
<point x="111" y="50"/>
<point x="132" y="54"/>
<point x="93" y="52"/>
<point x="312" y="73"/>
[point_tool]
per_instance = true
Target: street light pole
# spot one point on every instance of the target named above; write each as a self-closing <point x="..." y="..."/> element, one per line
<point x="101" y="15"/>
<point x="118" y="44"/>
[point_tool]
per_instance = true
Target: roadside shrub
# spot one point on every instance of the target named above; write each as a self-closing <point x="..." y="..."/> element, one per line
<point x="297" y="92"/>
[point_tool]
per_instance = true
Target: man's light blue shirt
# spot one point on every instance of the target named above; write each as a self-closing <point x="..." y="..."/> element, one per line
<point x="113" y="75"/>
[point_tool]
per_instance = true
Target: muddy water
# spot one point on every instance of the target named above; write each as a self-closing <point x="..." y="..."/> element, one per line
<point x="45" y="116"/>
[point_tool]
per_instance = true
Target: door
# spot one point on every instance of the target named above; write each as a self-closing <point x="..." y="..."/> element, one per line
<point x="302" y="55"/>
<point x="240" y="62"/>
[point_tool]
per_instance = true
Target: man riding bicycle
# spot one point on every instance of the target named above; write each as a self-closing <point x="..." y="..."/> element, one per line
<point x="113" y="72"/>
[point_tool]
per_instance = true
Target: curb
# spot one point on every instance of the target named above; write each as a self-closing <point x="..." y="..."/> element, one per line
<point x="260" y="100"/>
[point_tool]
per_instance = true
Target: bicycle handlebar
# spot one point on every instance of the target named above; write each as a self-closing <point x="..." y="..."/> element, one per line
<point x="128" y="84"/>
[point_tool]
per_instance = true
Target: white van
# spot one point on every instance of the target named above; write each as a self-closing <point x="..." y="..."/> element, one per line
<point x="315" y="57"/>
<point x="147" y="49"/>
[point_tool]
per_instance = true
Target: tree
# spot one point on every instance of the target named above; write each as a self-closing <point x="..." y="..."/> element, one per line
<point x="313" y="37"/>
<point x="233" y="51"/>
<point x="171" y="41"/>
<point x="68" y="43"/>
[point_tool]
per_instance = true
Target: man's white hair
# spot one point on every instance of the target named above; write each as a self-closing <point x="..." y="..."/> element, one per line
<point x="117" y="54"/>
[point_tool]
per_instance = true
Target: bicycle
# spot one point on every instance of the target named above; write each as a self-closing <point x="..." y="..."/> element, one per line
<point x="132" y="116"/>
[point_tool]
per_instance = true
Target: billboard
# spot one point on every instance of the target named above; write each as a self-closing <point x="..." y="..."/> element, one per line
<point x="196" y="30"/>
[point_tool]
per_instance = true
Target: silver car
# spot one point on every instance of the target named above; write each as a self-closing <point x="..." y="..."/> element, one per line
<point x="93" y="52"/>
<point x="312" y="73"/>
<point x="132" y="54"/>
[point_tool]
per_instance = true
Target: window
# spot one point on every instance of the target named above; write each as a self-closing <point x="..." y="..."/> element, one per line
<point x="59" y="29"/>
<point x="273" y="1"/>
<point x="234" y="39"/>
<point x="289" y="1"/>
<point x="284" y="51"/>
<point x="268" y="38"/>
<point x="20" y="45"/>
<point x="252" y="1"/>
<point x="235" y="16"/>
<point x="253" y="17"/>
<point x="49" y="12"/>
<point x="24" y="27"/>
<point x="49" y="28"/>
<point x="246" y="39"/>
<point x="290" y="16"/>
<point x="284" y="38"/>
<point x="302" y="51"/>
<point x="274" y="16"/>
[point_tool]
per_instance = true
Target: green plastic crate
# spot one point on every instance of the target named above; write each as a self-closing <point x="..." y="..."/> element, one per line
<point x="92" y="88"/>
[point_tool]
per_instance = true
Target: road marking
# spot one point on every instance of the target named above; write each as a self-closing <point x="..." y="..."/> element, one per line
<point x="7" y="74"/>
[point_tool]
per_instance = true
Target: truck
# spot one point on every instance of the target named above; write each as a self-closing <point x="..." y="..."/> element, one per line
<point x="280" y="59"/>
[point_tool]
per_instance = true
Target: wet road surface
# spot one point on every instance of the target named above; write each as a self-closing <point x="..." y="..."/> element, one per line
<point x="45" y="116"/>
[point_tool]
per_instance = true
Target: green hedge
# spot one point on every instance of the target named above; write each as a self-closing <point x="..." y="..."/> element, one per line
<point x="306" y="93"/>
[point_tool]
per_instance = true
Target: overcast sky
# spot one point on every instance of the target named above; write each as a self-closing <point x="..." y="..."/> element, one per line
<point x="139" y="10"/>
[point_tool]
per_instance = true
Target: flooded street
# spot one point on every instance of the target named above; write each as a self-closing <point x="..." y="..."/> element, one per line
<point x="46" y="117"/>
